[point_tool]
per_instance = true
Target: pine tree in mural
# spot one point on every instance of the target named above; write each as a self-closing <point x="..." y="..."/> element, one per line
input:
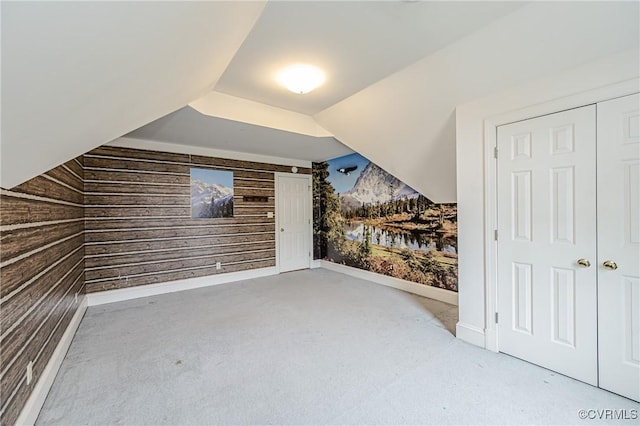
<point x="327" y="225"/>
<point x="365" y="250"/>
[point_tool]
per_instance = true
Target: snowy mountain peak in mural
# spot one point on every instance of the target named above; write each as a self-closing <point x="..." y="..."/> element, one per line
<point x="204" y="196"/>
<point x="373" y="186"/>
<point x="211" y="194"/>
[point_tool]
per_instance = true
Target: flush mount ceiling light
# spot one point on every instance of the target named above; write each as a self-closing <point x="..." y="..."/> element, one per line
<point x="300" y="78"/>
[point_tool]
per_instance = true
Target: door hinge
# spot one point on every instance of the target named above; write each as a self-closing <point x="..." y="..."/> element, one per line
<point x="496" y="317"/>
<point x="495" y="234"/>
<point x="495" y="152"/>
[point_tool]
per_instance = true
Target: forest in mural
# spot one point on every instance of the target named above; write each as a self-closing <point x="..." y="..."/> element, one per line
<point x="366" y="218"/>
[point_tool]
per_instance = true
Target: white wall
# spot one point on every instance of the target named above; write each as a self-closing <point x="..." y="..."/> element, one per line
<point x="608" y="77"/>
<point x="405" y="123"/>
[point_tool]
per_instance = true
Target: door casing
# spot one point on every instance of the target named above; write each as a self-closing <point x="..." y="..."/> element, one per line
<point x="490" y="141"/>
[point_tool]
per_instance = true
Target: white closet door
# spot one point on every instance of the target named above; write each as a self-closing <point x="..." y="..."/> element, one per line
<point x="547" y="221"/>
<point x="618" y="245"/>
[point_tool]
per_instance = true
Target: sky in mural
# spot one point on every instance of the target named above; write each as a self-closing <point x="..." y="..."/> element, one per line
<point x="220" y="177"/>
<point x="340" y="181"/>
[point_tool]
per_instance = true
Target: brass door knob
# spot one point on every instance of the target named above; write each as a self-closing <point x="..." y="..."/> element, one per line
<point x="584" y="263"/>
<point x="610" y="265"/>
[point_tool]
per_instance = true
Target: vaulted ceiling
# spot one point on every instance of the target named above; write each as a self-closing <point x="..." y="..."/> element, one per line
<point x="76" y="75"/>
<point x="357" y="43"/>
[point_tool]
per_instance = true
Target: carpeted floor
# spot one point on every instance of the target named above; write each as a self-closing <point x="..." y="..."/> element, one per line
<point x="307" y="347"/>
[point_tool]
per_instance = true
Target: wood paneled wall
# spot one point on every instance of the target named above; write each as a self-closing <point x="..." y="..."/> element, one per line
<point x="113" y="218"/>
<point x="138" y="219"/>
<point x="41" y="270"/>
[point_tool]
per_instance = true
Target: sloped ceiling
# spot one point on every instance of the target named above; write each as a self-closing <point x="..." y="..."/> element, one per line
<point x="76" y="75"/>
<point x="356" y="43"/>
<point x="415" y="107"/>
<point x="189" y="127"/>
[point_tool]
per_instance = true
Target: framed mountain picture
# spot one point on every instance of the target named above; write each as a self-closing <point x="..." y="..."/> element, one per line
<point x="211" y="193"/>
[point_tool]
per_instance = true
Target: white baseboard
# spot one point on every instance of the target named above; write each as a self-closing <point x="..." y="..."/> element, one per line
<point x="470" y="334"/>
<point x="119" y="295"/>
<point x="443" y="295"/>
<point x="31" y="409"/>
<point x="317" y="263"/>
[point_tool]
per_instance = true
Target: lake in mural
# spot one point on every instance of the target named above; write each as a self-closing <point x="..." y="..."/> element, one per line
<point x="366" y="218"/>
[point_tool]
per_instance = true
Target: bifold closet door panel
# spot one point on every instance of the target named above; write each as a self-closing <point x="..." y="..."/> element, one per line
<point x="618" y="245"/>
<point x="547" y="241"/>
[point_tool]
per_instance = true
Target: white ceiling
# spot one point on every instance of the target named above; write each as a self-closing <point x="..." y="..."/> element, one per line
<point x="189" y="127"/>
<point x="76" y="75"/>
<point x="355" y="42"/>
<point x="406" y="122"/>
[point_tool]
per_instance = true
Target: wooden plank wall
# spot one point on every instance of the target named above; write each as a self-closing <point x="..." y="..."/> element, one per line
<point x="41" y="270"/>
<point x="138" y="219"/>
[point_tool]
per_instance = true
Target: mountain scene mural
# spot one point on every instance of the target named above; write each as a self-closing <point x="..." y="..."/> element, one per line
<point x="367" y="218"/>
<point x="211" y="193"/>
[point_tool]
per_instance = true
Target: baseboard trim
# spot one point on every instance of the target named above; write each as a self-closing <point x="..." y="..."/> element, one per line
<point x="317" y="263"/>
<point x="443" y="295"/>
<point x="120" y="295"/>
<point x="470" y="334"/>
<point x="31" y="409"/>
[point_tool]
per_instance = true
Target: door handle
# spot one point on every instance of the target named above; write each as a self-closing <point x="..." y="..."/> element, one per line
<point x="583" y="262"/>
<point x="610" y="265"/>
<point x="281" y="229"/>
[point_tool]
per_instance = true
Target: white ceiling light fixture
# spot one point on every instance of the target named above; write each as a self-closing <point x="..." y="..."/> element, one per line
<point x="301" y="78"/>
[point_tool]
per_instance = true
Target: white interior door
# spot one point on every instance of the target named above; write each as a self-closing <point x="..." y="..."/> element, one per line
<point x="294" y="221"/>
<point x="618" y="245"/>
<point x="546" y="229"/>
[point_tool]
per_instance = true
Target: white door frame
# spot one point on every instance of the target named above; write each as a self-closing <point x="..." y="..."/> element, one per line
<point x="490" y="184"/>
<point x="277" y="176"/>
